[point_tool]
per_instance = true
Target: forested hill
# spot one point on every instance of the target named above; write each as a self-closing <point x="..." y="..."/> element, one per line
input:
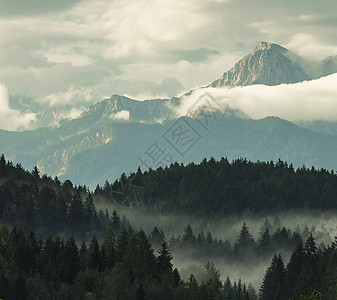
<point x="223" y="187"/>
<point x="47" y="206"/>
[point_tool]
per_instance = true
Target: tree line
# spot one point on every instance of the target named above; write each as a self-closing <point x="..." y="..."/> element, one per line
<point x="222" y="188"/>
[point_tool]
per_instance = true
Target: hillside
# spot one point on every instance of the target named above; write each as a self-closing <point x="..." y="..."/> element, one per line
<point x="225" y="188"/>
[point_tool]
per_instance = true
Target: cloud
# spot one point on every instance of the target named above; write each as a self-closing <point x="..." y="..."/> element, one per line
<point x="142" y="90"/>
<point x="71" y="96"/>
<point x="69" y="114"/>
<point x="309" y="100"/>
<point x="33" y="7"/>
<point x="131" y="47"/>
<point x="311" y="47"/>
<point x="121" y="115"/>
<point x="11" y="119"/>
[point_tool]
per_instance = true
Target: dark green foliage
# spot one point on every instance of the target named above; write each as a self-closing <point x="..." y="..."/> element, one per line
<point x="58" y="269"/>
<point x="164" y="259"/>
<point x="49" y="207"/>
<point x="108" y="246"/>
<point x="273" y="282"/>
<point x="121" y="264"/>
<point x="94" y="254"/>
<point x="292" y="286"/>
<point x="70" y="259"/>
<point x="245" y="244"/>
<point x="122" y="245"/>
<point x="157" y="237"/>
<point x="224" y="188"/>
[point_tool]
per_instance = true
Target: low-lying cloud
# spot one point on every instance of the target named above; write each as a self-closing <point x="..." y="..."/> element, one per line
<point x="11" y="119"/>
<point x="121" y="115"/>
<point x="305" y="101"/>
<point x="72" y="96"/>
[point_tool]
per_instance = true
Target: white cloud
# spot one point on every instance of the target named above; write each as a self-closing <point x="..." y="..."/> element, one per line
<point x="72" y="96"/>
<point x="309" y="100"/>
<point x="308" y="18"/>
<point x="102" y="45"/>
<point x="311" y="47"/>
<point x="121" y="115"/>
<point x="11" y="119"/>
<point x="67" y="54"/>
<point x="71" y="114"/>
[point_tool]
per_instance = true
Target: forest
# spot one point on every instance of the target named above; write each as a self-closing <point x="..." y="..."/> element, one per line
<point x="55" y="243"/>
<point x="224" y="188"/>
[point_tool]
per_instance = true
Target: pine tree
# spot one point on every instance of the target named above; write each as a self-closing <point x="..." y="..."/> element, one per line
<point x="94" y="254"/>
<point x="89" y="212"/>
<point x="76" y="213"/>
<point x="83" y="252"/>
<point x="228" y="289"/>
<point x="309" y="278"/>
<point x="176" y="277"/>
<point x="273" y="282"/>
<point x="245" y="244"/>
<point x="71" y="260"/>
<point x="188" y="237"/>
<point x="116" y="222"/>
<point x="264" y="245"/>
<point x="109" y="247"/>
<point x="164" y="259"/>
<point x="122" y="245"/>
<point x="157" y="237"/>
<point x="293" y="271"/>
<point x="140" y="259"/>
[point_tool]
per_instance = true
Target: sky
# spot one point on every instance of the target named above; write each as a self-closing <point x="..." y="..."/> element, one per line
<point x="73" y="53"/>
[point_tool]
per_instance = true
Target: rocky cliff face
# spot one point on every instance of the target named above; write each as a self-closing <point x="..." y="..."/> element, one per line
<point x="122" y="108"/>
<point x="268" y="64"/>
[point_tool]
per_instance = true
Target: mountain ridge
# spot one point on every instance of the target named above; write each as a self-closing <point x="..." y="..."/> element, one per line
<point x="110" y="136"/>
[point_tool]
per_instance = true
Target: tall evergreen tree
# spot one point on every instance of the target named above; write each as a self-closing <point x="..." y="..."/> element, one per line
<point x="76" y="213"/>
<point x="273" y="282"/>
<point x="164" y="259"/>
<point x="94" y="254"/>
<point x="71" y="260"/>
<point x="109" y="247"/>
<point x="245" y="244"/>
<point x="122" y="245"/>
<point x="293" y="271"/>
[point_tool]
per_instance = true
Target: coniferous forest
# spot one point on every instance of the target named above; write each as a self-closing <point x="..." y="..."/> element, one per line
<point x="56" y="244"/>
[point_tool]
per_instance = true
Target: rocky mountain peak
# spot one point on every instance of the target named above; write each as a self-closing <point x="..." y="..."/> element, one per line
<point x="263" y="46"/>
<point x="268" y="64"/>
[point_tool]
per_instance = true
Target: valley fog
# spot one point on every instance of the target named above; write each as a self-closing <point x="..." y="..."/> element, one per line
<point x="251" y="270"/>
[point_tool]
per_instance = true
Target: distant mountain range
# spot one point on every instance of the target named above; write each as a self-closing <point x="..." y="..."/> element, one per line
<point x="119" y="134"/>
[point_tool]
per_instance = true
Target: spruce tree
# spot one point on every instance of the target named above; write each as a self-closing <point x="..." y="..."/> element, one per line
<point x="273" y="282"/>
<point x="164" y="259"/>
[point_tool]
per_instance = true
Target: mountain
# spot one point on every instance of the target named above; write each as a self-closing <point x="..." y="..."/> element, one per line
<point x="268" y="64"/>
<point x="329" y="65"/>
<point x="90" y="152"/>
<point x="119" y="134"/>
<point x="123" y="108"/>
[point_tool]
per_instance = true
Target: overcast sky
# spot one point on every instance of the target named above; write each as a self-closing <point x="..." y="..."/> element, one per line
<point x="76" y="51"/>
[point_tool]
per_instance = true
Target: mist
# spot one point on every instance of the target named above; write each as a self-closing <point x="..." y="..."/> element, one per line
<point x="250" y="269"/>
